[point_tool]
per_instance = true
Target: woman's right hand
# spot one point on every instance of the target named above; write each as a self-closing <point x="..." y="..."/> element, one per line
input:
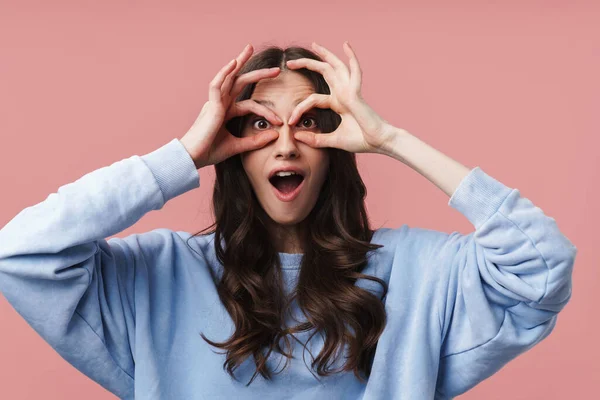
<point x="208" y="141"/>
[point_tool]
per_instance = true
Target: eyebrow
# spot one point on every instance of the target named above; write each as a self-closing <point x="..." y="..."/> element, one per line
<point x="270" y="103"/>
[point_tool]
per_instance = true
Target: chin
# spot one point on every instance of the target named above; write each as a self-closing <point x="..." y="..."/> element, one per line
<point x="286" y="213"/>
<point x="286" y="220"/>
<point x="289" y="217"/>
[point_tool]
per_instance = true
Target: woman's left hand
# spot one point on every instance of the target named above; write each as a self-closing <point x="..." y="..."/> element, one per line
<point x="361" y="130"/>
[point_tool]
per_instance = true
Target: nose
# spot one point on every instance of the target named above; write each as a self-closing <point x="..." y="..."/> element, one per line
<point x="285" y="145"/>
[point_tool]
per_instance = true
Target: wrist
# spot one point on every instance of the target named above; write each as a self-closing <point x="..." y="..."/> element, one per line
<point x="392" y="146"/>
<point x="197" y="161"/>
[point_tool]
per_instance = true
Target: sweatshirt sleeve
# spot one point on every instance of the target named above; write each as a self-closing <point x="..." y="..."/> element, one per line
<point x="74" y="288"/>
<point x="503" y="284"/>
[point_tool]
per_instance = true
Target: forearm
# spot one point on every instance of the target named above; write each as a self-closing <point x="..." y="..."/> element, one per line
<point x="438" y="168"/>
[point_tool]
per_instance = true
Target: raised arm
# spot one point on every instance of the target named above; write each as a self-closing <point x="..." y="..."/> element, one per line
<point x="504" y="283"/>
<point x="72" y="286"/>
<point x="76" y="289"/>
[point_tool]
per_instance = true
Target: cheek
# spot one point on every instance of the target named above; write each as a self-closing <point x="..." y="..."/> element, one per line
<point x="322" y="166"/>
<point x="251" y="161"/>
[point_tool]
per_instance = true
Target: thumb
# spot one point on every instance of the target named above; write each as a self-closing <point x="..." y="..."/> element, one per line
<point x="316" y="140"/>
<point x="255" y="142"/>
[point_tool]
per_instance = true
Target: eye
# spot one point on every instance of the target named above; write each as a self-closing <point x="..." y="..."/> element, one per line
<point x="264" y="121"/>
<point x="302" y="121"/>
<point x="307" y="118"/>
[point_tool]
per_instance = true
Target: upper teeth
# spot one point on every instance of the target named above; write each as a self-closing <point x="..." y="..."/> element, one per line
<point x="282" y="173"/>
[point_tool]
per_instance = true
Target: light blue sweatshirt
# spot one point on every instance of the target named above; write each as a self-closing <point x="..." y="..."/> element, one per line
<point x="128" y="312"/>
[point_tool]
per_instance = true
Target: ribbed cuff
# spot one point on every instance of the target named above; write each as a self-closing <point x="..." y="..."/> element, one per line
<point x="173" y="168"/>
<point x="479" y="196"/>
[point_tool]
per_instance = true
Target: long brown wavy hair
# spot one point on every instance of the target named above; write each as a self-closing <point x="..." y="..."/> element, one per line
<point x="335" y="247"/>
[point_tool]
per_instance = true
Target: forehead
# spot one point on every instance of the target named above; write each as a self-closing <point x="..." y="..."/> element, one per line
<point x="288" y="87"/>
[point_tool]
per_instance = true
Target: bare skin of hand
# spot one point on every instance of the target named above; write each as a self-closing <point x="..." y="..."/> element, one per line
<point x="362" y="130"/>
<point x="208" y="141"/>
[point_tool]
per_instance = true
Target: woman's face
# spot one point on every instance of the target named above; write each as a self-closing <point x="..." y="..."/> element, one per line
<point x="282" y="94"/>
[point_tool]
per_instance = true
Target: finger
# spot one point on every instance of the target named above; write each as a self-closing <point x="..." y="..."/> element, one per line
<point x="316" y="140"/>
<point x="241" y="60"/>
<point x="249" y="143"/>
<point x="355" y="71"/>
<point x="250" y="106"/>
<point x="330" y="58"/>
<point x="314" y="100"/>
<point x="321" y="67"/>
<point x="214" y="88"/>
<point x="252" y="76"/>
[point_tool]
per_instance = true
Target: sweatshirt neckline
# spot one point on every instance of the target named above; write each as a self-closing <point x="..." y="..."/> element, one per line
<point x="290" y="260"/>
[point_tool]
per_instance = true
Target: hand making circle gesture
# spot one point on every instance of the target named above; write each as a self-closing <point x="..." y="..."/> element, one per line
<point x="361" y="130"/>
<point x="208" y="141"/>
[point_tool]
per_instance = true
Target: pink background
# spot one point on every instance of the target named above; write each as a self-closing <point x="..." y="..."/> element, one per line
<point x="512" y="87"/>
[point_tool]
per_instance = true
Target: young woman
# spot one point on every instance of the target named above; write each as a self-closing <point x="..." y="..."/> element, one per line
<point x="291" y="268"/>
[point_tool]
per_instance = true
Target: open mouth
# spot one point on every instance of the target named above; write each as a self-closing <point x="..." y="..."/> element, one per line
<point x="287" y="187"/>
